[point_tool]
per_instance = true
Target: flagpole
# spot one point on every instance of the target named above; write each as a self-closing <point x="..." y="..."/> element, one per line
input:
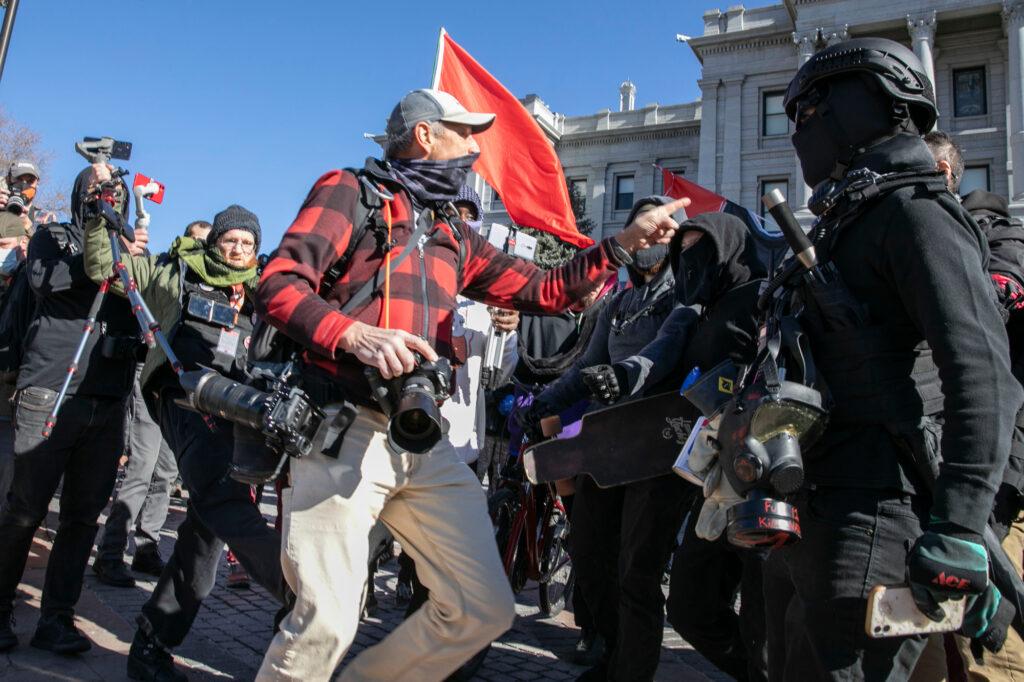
<point x="435" y="80"/>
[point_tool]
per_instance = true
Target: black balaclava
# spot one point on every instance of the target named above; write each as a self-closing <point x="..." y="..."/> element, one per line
<point x="81" y="212"/>
<point x="647" y="259"/>
<point x="433" y="182"/>
<point x="852" y="112"/>
<point x="723" y="258"/>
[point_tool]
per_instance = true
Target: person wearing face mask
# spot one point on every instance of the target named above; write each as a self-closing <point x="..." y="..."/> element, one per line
<point x="86" y="442"/>
<point x="621" y="537"/>
<point x="201" y="293"/>
<point x="431" y="502"/>
<point x="906" y="335"/>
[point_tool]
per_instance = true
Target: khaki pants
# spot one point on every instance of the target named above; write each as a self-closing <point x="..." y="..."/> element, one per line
<point x="1008" y="664"/>
<point x="436" y="508"/>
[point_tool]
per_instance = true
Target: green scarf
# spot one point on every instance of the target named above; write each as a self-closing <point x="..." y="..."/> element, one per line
<point x="210" y="265"/>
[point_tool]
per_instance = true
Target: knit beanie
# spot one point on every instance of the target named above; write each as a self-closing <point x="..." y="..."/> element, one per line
<point x="235" y="217"/>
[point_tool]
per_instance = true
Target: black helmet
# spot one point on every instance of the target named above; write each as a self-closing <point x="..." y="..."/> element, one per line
<point x="896" y="69"/>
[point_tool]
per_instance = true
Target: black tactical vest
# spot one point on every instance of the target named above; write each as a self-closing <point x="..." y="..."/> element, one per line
<point x="209" y="332"/>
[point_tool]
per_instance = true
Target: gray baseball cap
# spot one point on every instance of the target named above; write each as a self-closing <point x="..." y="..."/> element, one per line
<point x="434" y="105"/>
<point x="21" y="167"/>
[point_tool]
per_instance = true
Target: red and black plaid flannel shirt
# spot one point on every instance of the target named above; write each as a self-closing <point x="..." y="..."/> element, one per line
<point x="319" y="236"/>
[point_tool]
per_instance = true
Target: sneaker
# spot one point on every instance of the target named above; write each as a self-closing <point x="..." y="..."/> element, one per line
<point x="8" y="640"/>
<point x="148" y="561"/>
<point x="57" y="633"/>
<point x="149" y="661"/>
<point x="113" y="573"/>
<point x="238" y="578"/>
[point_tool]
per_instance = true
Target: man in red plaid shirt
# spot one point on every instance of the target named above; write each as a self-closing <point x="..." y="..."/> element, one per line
<point x="432" y="503"/>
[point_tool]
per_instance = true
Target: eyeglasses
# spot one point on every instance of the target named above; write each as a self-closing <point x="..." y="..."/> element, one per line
<point x="245" y="247"/>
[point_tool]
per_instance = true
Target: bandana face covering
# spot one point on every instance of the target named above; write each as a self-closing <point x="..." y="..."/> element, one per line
<point x="431" y="181"/>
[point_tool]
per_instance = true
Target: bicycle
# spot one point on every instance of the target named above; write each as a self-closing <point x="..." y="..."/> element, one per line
<point x="531" y="528"/>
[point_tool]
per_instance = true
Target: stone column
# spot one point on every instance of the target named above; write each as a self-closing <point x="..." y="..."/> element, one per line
<point x="732" y="137"/>
<point x="707" y="163"/>
<point x="1013" y="23"/>
<point x="922" y="36"/>
<point x="805" y="42"/>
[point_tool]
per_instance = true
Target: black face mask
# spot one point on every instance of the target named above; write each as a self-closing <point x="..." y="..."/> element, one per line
<point x="433" y="182"/>
<point x="694" y="277"/>
<point x="851" y="112"/>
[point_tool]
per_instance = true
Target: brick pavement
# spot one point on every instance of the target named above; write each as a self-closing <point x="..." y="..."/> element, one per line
<point x="233" y="629"/>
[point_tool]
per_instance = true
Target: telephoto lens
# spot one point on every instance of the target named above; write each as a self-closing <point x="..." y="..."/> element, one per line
<point x="211" y="393"/>
<point x="16" y="204"/>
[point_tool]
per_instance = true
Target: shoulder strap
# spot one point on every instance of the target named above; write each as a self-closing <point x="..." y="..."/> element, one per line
<point x="366" y="211"/>
<point x="370" y="285"/>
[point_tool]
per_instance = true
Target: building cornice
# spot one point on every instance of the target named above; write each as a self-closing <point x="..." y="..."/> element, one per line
<point x="740" y="41"/>
<point x="604" y="137"/>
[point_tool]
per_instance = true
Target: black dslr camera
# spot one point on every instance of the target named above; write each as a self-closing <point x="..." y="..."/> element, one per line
<point x="277" y="423"/>
<point x="412" y="402"/>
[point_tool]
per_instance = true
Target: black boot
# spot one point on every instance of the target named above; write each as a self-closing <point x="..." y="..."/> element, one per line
<point x="151" y="662"/>
<point x="148" y="561"/>
<point x="57" y="633"/>
<point x="8" y="640"/>
<point x="113" y="573"/>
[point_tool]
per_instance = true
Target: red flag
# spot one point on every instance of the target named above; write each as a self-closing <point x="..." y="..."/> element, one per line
<point x="701" y="200"/>
<point x="516" y="158"/>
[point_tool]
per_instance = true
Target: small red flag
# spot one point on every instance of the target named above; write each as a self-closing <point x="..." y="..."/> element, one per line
<point x="701" y="200"/>
<point x="516" y="158"/>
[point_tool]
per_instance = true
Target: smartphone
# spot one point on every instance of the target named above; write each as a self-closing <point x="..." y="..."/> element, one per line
<point x="893" y="613"/>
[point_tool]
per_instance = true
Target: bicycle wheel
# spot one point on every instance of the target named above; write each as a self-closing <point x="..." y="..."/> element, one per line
<point x="557" y="576"/>
<point x="503" y="506"/>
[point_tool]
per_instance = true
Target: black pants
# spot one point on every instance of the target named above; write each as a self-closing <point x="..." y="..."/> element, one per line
<point x="621" y="539"/>
<point x="705" y="577"/>
<point x="220" y="510"/>
<point x="816" y="589"/>
<point x="84" y="449"/>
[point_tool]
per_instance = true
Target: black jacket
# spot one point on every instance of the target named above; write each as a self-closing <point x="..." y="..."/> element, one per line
<point x="65" y="293"/>
<point x="916" y="262"/>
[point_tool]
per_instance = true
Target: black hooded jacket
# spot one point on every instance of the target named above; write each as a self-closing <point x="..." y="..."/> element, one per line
<point x="65" y="293"/>
<point x="916" y="263"/>
<point x="628" y="321"/>
<point x="716" y="282"/>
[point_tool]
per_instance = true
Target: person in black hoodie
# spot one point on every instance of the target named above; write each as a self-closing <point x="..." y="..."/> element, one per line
<point x="717" y="279"/>
<point x="916" y="363"/>
<point x="621" y="537"/>
<point x="88" y="438"/>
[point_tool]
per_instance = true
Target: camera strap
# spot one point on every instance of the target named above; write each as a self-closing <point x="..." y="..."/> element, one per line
<point x="370" y="285"/>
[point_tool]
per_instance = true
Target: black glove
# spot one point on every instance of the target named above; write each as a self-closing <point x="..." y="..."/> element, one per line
<point x="529" y="420"/>
<point x="605" y="382"/>
<point x="987" y="619"/>
<point x="942" y="566"/>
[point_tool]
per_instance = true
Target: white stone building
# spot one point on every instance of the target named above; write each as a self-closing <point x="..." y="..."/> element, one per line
<point x="735" y="139"/>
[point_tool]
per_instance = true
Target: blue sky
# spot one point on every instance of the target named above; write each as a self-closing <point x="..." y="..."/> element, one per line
<point x="249" y="102"/>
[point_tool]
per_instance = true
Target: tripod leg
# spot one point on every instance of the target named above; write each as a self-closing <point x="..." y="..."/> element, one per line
<point x="90" y="324"/>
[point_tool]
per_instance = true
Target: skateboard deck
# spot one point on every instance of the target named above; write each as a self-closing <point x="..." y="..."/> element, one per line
<point x="618" y="444"/>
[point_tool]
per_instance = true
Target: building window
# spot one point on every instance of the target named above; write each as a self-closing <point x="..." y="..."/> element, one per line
<point x="496" y="204"/>
<point x="767" y="186"/>
<point x="975" y="177"/>
<point x="578" y="188"/>
<point x="969" y="97"/>
<point x="674" y="171"/>
<point x="773" y="115"/>
<point x="624" y="192"/>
